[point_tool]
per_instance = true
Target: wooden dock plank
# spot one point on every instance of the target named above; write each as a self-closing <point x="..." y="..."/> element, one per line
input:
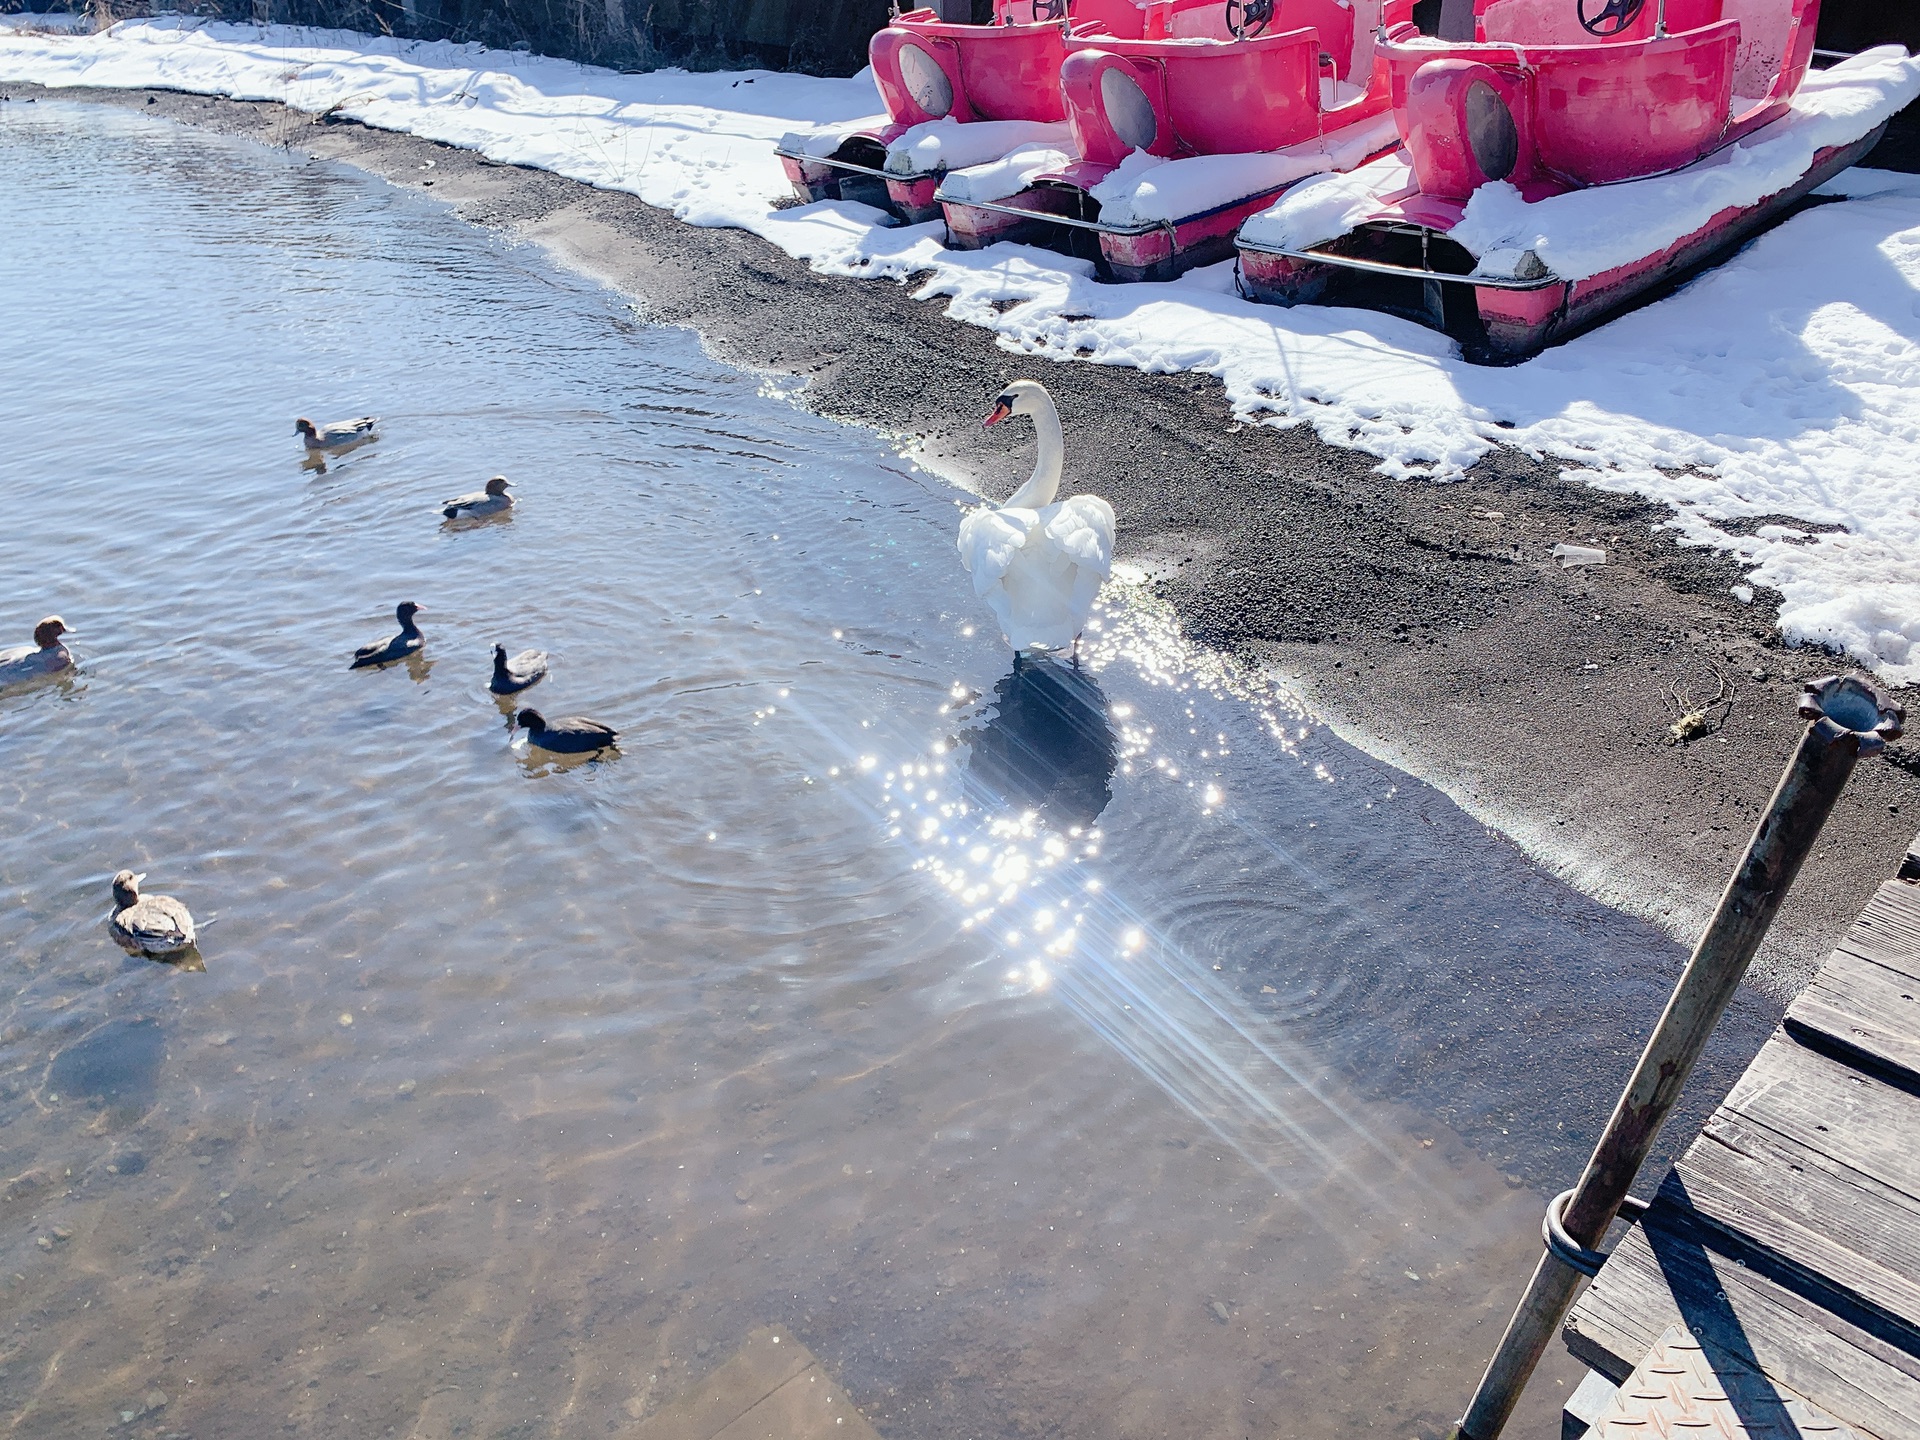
<point x="1888" y="930"/>
<point x="1802" y="1215"/>
<point x="1830" y="1108"/>
<point x="1865" y="1002"/>
<point x="1788" y="1235"/>
<point x="1864" y="1011"/>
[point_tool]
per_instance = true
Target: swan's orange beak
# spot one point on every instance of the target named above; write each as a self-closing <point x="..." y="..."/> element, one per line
<point x="1002" y="408"/>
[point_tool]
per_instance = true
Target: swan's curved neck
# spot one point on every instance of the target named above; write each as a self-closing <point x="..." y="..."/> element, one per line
<point x="1044" y="483"/>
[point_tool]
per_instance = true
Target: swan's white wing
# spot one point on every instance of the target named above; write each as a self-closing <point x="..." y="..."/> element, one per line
<point x="989" y="539"/>
<point x="1083" y="528"/>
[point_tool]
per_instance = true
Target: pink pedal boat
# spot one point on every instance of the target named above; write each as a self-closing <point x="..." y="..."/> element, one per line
<point x="956" y="94"/>
<point x="1493" y="224"/>
<point x="1180" y="134"/>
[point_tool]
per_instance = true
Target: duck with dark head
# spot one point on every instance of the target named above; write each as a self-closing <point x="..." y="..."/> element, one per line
<point x="569" y="735"/>
<point x="48" y="655"/>
<point x="336" y="436"/>
<point x="494" y="500"/>
<point x="516" y="673"/>
<point x="402" y="646"/>
<point x="157" y="926"/>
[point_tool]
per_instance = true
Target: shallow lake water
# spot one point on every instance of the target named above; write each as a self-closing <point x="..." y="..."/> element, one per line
<point x="1107" y="1053"/>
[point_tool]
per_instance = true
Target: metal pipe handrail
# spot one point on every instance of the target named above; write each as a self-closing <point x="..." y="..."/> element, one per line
<point x="1405" y="272"/>
<point x="1142" y="227"/>
<point x="1072" y="222"/>
<point x="849" y="165"/>
<point x="1846" y="720"/>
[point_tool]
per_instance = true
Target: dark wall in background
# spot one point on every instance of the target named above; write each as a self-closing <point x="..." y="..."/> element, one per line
<point x="821" y="37"/>
<point x="1857" y="24"/>
<point x="1850" y="25"/>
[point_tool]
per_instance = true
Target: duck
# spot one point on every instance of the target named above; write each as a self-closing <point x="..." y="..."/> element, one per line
<point x="340" y="433"/>
<point x="1037" y="562"/>
<point x="493" y="500"/>
<point x="47" y="655"/>
<point x="156" y="925"/>
<point x="526" y="669"/>
<point x="569" y="735"/>
<point x="384" y="652"/>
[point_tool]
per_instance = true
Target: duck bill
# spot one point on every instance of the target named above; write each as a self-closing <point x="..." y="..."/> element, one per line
<point x="1001" y="410"/>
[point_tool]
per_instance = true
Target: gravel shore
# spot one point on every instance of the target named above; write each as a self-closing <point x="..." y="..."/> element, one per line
<point x="1426" y="622"/>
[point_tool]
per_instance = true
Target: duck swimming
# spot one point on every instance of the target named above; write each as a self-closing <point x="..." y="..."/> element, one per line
<point x="527" y="668"/>
<point x="569" y="735"/>
<point x="46" y="656"/>
<point x="384" y="652"/>
<point x="155" y="925"/>
<point x="337" y="435"/>
<point x="1038" y="564"/>
<point x="491" y="501"/>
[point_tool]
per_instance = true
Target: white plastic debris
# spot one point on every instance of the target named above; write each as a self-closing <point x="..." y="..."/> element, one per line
<point x="1572" y="555"/>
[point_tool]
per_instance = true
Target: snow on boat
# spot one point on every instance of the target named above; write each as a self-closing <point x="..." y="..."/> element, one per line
<point x="1574" y="156"/>
<point x="956" y="95"/>
<point x="1179" y="135"/>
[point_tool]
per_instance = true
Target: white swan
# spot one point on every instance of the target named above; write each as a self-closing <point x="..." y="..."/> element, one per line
<point x="1038" y="564"/>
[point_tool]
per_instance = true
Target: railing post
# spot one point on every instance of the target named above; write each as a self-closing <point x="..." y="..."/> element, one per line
<point x="1847" y="720"/>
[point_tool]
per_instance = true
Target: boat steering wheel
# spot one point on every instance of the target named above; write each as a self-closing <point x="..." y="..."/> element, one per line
<point x="1613" y="17"/>
<point x="1045" y="11"/>
<point x="1248" y="18"/>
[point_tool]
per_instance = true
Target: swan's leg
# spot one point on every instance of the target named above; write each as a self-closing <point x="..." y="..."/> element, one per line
<point x="1076" y="652"/>
<point x="1016" y="659"/>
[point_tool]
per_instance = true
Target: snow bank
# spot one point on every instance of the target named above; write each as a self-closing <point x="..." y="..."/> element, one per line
<point x="1004" y="177"/>
<point x="701" y="146"/>
<point x="1144" y="190"/>
<point x="820" y="141"/>
<point x="948" y="145"/>
<point x="1327" y="207"/>
<point x="1785" y="382"/>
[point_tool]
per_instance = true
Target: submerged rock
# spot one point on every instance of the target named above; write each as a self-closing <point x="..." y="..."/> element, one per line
<point x="115" y="1066"/>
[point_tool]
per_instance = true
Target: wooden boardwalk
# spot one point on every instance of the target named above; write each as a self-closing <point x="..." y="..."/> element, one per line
<point x="1782" y="1252"/>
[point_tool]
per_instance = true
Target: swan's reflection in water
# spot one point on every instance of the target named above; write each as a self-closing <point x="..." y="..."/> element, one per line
<point x="1047" y="746"/>
<point x="1006" y="817"/>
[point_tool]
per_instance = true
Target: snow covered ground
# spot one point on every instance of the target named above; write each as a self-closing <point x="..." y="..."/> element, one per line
<point x="1785" y="382"/>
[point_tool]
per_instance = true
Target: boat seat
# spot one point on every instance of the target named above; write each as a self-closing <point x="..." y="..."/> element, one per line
<point x="1557" y="22"/>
